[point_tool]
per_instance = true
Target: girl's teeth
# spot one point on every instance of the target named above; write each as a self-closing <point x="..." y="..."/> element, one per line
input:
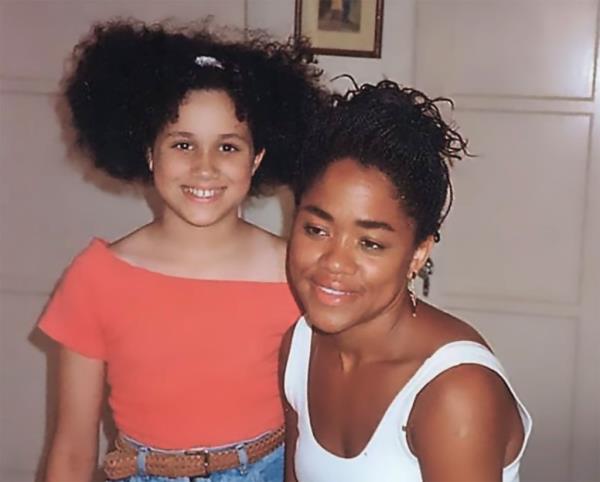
<point x="201" y="193"/>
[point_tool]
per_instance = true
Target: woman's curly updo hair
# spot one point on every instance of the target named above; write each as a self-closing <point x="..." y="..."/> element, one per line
<point x="129" y="80"/>
<point x="397" y="130"/>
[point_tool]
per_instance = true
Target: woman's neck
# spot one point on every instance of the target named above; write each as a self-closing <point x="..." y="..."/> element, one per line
<point x="380" y="339"/>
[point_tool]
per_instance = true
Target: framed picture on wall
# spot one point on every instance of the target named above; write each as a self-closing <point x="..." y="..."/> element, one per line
<point x="341" y="27"/>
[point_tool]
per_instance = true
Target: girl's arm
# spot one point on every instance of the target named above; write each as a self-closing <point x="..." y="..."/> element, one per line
<point x="291" y="418"/>
<point x="74" y="451"/>
<point x="460" y="426"/>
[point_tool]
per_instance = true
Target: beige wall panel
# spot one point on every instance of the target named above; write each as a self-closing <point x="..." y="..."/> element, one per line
<point x="36" y="37"/>
<point x="539" y="355"/>
<point x="22" y="378"/>
<point x="474" y="47"/>
<point x="48" y="211"/>
<point x="540" y="160"/>
<point x="273" y="213"/>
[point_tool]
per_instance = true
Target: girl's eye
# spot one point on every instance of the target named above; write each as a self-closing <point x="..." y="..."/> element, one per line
<point x="183" y="146"/>
<point x="369" y="245"/>
<point x="314" y="231"/>
<point x="229" y="148"/>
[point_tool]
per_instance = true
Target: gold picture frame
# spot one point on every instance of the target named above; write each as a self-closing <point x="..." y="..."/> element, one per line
<point x="341" y="27"/>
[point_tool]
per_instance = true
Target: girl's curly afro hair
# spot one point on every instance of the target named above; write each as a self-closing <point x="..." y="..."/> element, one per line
<point x="397" y="130"/>
<point x="129" y="79"/>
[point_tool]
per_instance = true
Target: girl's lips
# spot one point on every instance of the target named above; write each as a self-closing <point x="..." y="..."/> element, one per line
<point x="203" y="195"/>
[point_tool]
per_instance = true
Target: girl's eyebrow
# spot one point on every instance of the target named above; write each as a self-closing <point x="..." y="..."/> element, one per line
<point x="190" y="135"/>
<point x="234" y="135"/>
<point x="179" y="134"/>
<point x="362" y="223"/>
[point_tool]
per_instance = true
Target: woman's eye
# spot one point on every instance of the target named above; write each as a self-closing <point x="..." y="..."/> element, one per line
<point x="371" y="245"/>
<point x="314" y="231"/>
<point x="229" y="148"/>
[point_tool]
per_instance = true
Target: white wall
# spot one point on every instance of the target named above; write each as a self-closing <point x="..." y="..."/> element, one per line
<point x="517" y="256"/>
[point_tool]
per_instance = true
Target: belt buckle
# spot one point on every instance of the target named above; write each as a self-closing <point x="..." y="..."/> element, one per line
<point x="205" y="454"/>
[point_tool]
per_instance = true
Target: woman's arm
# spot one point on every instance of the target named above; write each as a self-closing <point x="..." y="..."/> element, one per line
<point x="461" y="426"/>
<point x="291" y="436"/>
<point x="74" y="450"/>
<point x="291" y="418"/>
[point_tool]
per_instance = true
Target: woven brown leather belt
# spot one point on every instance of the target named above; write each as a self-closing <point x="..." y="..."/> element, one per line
<point x="122" y="462"/>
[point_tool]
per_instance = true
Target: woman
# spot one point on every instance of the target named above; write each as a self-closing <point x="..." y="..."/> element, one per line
<point x="379" y="385"/>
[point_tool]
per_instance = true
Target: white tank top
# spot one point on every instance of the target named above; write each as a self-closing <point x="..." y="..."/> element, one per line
<point x="387" y="456"/>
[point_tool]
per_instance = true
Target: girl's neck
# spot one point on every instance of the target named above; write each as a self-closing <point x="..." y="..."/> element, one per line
<point x="186" y="237"/>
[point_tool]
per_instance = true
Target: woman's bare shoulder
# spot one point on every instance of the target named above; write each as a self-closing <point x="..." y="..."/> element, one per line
<point x="439" y="328"/>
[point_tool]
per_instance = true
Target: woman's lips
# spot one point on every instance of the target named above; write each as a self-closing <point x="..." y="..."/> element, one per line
<point x="331" y="296"/>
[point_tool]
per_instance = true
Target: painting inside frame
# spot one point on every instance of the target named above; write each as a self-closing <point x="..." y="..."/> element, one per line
<point x="341" y="27"/>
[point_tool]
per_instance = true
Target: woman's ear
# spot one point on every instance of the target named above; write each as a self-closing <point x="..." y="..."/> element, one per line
<point x="420" y="256"/>
<point x="257" y="160"/>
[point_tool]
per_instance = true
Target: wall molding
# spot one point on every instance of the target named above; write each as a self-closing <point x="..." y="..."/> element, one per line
<point x="508" y="306"/>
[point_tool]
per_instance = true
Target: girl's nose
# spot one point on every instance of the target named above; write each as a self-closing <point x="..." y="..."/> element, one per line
<point x="203" y="165"/>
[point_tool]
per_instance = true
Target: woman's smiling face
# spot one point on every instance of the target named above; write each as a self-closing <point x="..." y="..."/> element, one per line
<point x="352" y="248"/>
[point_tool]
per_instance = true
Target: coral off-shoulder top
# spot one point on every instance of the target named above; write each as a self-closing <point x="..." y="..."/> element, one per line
<point x="190" y="363"/>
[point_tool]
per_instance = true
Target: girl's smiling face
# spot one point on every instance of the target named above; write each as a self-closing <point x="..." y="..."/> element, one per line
<point x="203" y="162"/>
<point x="352" y="249"/>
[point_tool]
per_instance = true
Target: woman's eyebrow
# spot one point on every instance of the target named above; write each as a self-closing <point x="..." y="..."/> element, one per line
<point x="370" y="224"/>
<point x="362" y="223"/>
<point x="317" y="211"/>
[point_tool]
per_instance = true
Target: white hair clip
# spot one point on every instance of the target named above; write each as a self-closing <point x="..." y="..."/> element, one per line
<point x="206" y="61"/>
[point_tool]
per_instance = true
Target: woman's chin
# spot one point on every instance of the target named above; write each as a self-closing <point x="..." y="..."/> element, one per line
<point x="329" y="324"/>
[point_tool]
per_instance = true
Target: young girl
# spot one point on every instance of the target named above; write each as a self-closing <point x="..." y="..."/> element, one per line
<point x="382" y="386"/>
<point x="183" y="317"/>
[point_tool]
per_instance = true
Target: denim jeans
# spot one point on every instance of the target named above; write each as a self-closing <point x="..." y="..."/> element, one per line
<point x="267" y="469"/>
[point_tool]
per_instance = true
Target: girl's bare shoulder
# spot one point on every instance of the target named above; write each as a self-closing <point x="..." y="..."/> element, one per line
<point x="133" y="247"/>
<point x="268" y="254"/>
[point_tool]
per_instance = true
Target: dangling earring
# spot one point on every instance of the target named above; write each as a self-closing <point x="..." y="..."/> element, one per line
<point x="150" y="162"/>
<point x="412" y="294"/>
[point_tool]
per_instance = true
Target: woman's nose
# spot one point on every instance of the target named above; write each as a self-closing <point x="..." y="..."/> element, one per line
<point x="338" y="258"/>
